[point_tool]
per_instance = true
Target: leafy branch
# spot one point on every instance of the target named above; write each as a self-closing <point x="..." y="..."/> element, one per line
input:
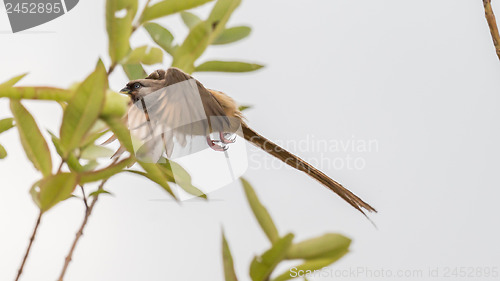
<point x="92" y="111"/>
<point x="315" y="253"/>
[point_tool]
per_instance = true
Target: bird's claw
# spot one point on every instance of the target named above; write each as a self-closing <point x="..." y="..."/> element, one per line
<point x="227" y="137"/>
<point x="216" y="145"/>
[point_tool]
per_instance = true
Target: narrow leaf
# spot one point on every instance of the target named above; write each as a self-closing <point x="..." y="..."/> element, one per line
<point x="83" y="109"/>
<point x="232" y="34"/>
<point x="116" y="104"/>
<point x="98" y="192"/>
<point x="119" y="17"/>
<point x="160" y="36"/>
<point x="3" y="152"/>
<point x="244" y="107"/>
<point x="121" y="132"/>
<point x="228" y="66"/>
<point x="262" y="267"/>
<point x="55" y="189"/>
<point x="33" y="142"/>
<point x="177" y="174"/>
<point x="145" y="55"/>
<point x="105" y="173"/>
<point x="227" y="258"/>
<point x="71" y="160"/>
<point x="134" y="71"/>
<point x="221" y="13"/>
<point x="193" y="47"/>
<point x="155" y="174"/>
<point x="11" y="82"/>
<point x="6" y="124"/>
<point x="168" y="7"/>
<point x="260" y="212"/>
<point x="93" y="151"/>
<point x="326" y="245"/>
<point x="190" y="19"/>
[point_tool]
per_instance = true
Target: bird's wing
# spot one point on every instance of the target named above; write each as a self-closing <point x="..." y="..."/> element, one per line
<point x="176" y="118"/>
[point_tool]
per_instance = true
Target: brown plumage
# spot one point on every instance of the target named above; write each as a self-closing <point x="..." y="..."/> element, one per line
<point x="216" y="103"/>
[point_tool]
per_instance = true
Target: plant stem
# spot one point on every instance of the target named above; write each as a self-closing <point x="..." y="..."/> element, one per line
<point x="111" y="68"/>
<point x="79" y="234"/>
<point x="29" y="246"/>
<point x="492" y="23"/>
<point x="138" y="23"/>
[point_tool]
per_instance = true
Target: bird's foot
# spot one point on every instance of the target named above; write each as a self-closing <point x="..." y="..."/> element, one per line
<point x="216" y="144"/>
<point x="227" y="138"/>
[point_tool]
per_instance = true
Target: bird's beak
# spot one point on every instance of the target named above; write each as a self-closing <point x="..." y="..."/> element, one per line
<point x="125" y="91"/>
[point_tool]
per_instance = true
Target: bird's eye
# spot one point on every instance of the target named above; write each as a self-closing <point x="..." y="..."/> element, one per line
<point x="137" y="85"/>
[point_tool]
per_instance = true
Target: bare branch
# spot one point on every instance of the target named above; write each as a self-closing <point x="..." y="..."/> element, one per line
<point x="492" y="23"/>
<point x="20" y="272"/>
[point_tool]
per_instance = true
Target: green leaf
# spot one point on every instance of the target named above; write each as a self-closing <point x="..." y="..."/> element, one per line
<point x="190" y="19"/>
<point x="260" y="212"/>
<point x="34" y="144"/>
<point x="181" y="177"/>
<point x="262" y="267"/>
<point x="116" y="104"/>
<point x="121" y="132"/>
<point x="6" y="124"/>
<point x="227" y="66"/>
<point x="83" y="109"/>
<point x="244" y="107"/>
<point x="221" y="13"/>
<point x="145" y="55"/>
<point x="3" y="152"/>
<point x="327" y="245"/>
<point x="160" y="36"/>
<point x="90" y="166"/>
<point x="71" y="160"/>
<point x="203" y="34"/>
<point x="168" y="7"/>
<point x="229" y="273"/>
<point x="54" y="189"/>
<point x="93" y="151"/>
<point x="233" y="34"/>
<point x="155" y="174"/>
<point x="134" y="71"/>
<point x="10" y="83"/>
<point x="107" y="172"/>
<point x="308" y="267"/>
<point x="193" y="47"/>
<point x="98" y="192"/>
<point x="119" y="17"/>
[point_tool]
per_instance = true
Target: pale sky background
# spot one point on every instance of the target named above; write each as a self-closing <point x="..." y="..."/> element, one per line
<point x="420" y="78"/>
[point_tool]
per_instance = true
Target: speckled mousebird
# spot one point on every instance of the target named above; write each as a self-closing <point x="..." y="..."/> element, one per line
<point x="216" y="103"/>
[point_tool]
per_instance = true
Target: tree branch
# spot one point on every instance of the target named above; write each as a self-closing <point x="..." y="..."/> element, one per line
<point x="492" y="23"/>
<point x="29" y="246"/>
<point x="79" y="234"/>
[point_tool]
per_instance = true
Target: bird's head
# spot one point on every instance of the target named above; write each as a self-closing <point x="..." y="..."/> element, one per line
<point x="155" y="81"/>
<point x="142" y="87"/>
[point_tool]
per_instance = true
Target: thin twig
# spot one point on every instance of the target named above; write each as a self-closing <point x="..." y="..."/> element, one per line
<point x="79" y="234"/>
<point x="29" y="246"/>
<point x="139" y="19"/>
<point x="111" y="68"/>
<point x="492" y="23"/>
<point x="84" y="198"/>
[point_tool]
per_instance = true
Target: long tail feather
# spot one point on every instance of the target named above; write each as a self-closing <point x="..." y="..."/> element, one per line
<point x="301" y="165"/>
